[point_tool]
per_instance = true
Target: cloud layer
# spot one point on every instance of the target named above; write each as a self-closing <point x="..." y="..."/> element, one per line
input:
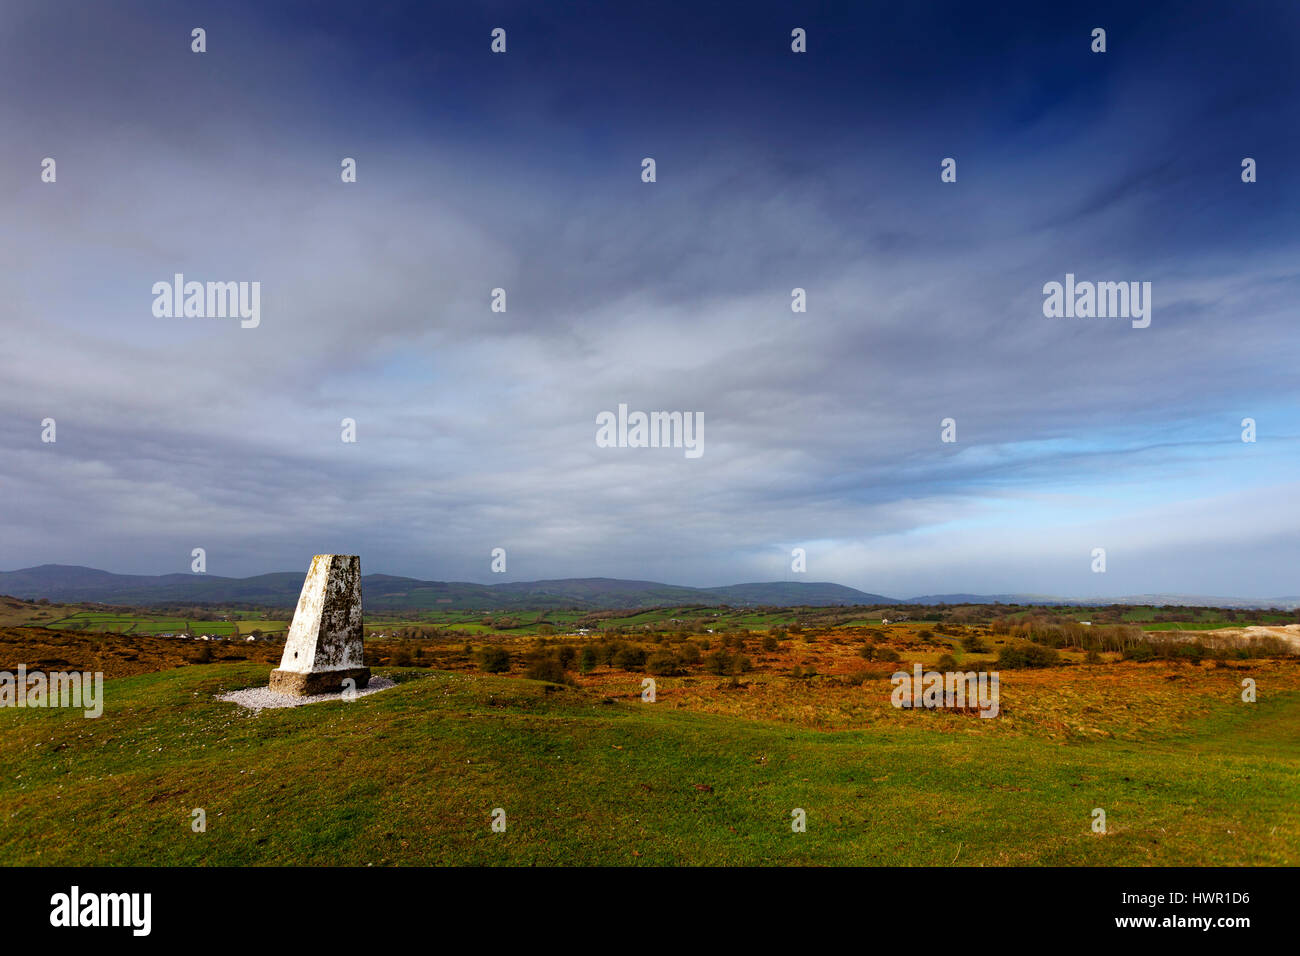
<point x="476" y="428"/>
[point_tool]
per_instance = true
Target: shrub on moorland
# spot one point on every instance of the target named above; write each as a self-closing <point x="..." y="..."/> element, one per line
<point x="1140" y="652"/>
<point x="664" y="664"/>
<point x="629" y="658"/>
<point x="1016" y="656"/>
<point x="718" y="662"/>
<point x="547" y="667"/>
<point x="494" y="660"/>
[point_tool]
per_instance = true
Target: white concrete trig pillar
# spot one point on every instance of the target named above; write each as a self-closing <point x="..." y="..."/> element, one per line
<point x="324" y="647"/>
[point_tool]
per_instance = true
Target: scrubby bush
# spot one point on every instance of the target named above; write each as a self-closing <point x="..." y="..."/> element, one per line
<point x="974" y="644"/>
<point x="629" y="658"/>
<point x="608" y="649"/>
<point x="664" y="664"/>
<point x="718" y="662"/>
<point x="1027" y="655"/>
<point x="587" y="659"/>
<point x="946" y="663"/>
<point x="547" y="666"/>
<point x="494" y="660"/>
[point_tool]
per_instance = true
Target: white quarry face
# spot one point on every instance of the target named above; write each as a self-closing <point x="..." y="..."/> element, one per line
<point x="326" y="632"/>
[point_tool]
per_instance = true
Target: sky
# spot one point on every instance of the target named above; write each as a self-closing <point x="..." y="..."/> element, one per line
<point x="774" y="170"/>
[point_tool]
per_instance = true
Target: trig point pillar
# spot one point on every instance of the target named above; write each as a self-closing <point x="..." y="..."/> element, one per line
<point x="324" y="646"/>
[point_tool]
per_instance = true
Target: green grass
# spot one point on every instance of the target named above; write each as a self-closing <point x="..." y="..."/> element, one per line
<point x="96" y="621"/>
<point x="1188" y="625"/>
<point x="1204" y="619"/>
<point x="135" y="624"/>
<point x="411" y="775"/>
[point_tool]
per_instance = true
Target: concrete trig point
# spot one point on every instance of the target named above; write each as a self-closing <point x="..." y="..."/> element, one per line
<point x="324" y="647"/>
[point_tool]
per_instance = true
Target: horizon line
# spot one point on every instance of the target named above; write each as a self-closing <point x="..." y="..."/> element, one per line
<point x="1060" y="598"/>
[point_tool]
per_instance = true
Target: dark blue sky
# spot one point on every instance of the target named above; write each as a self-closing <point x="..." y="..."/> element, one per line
<point x="775" y="170"/>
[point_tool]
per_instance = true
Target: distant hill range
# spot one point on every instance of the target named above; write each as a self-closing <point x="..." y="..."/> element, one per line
<point x="1138" y="600"/>
<point x="72" y="584"/>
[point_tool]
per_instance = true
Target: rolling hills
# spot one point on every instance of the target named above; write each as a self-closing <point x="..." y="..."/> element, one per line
<point x="386" y="592"/>
<point x="69" y="583"/>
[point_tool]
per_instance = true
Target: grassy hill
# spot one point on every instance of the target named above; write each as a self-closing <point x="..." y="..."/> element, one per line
<point x="411" y="775"/>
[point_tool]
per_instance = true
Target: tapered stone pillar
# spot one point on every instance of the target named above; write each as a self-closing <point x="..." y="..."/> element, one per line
<point x="324" y="647"/>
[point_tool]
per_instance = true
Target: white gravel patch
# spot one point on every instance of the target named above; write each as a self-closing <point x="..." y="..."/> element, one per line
<point x="263" y="698"/>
